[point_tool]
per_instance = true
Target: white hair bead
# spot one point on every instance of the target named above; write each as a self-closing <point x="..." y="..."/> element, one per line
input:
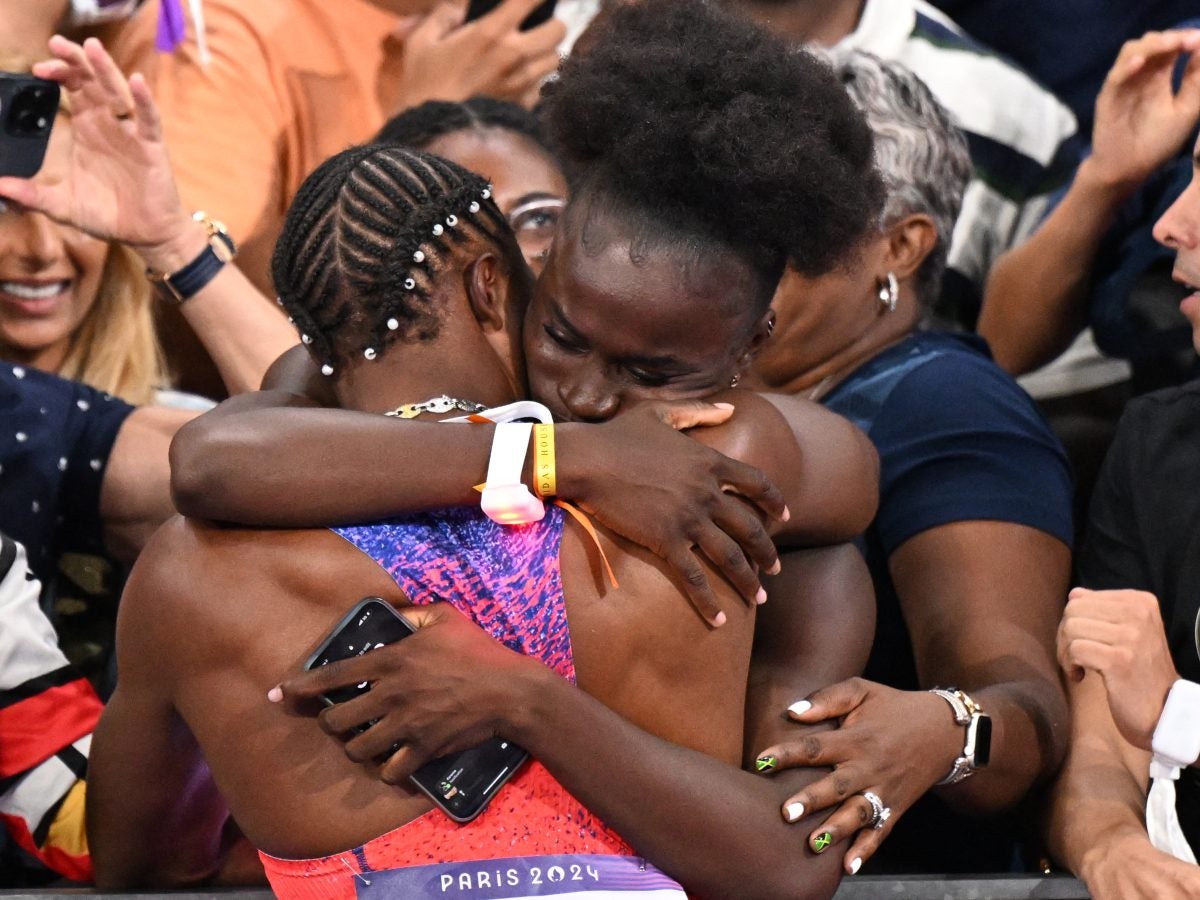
<point x="392" y="324"/>
<point x="438" y="229"/>
<point x="306" y="339"/>
<point x="419" y="256"/>
<point x="487" y="193"/>
<point x="327" y="369"/>
<point x="474" y="207"/>
<point x="451" y="221"/>
<point x="409" y="284"/>
<point x="369" y="353"/>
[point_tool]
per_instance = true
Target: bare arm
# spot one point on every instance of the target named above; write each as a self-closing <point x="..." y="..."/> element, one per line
<point x="716" y="828"/>
<point x="135" y="497"/>
<point x="172" y="828"/>
<point x="1034" y="300"/>
<point x="1096" y="821"/>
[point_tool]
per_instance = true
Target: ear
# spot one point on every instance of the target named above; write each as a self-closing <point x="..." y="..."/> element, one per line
<point x="487" y="288"/>
<point x="910" y="241"/>
<point x="758" y="338"/>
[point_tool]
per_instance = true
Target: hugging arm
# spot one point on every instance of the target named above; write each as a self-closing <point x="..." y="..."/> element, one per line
<point x="716" y="828"/>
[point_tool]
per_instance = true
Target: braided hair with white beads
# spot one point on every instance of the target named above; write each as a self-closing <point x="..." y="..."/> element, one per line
<point x="364" y="241"/>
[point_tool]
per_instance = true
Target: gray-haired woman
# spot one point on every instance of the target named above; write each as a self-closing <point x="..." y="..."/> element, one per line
<point x="970" y="549"/>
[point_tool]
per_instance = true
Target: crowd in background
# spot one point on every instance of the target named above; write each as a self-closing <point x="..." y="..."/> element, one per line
<point x="968" y="229"/>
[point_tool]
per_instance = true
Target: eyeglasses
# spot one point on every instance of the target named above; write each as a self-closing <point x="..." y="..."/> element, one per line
<point x="534" y="222"/>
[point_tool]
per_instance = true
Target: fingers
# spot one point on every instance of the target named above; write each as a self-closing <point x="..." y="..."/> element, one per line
<point x="695" y="584"/>
<point x="864" y="846"/>
<point x="745" y="527"/>
<point x="826" y="748"/>
<point x="846" y="821"/>
<point x="21" y="191"/>
<point x="833" y="702"/>
<point x="148" y="120"/>
<point x="753" y="485"/>
<point x="684" y="414"/>
<point x="1154" y="50"/>
<point x="727" y="556"/>
<point x="832" y="790"/>
<point x="440" y="21"/>
<point x="109" y="78"/>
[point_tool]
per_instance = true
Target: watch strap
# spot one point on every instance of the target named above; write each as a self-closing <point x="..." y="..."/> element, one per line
<point x="183" y="284"/>
<point x="1176" y="740"/>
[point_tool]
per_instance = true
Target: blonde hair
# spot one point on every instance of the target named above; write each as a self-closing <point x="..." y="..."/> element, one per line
<point x="115" y="347"/>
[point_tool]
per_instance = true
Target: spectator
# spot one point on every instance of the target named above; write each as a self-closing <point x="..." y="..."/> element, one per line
<point x="1069" y="47"/>
<point x="1022" y="140"/>
<point x="69" y="303"/>
<point x="49" y="712"/>
<point x="1129" y="638"/>
<point x="290" y="82"/>
<point x="970" y="550"/>
<point x="502" y="142"/>
<point x="112" y="181"/>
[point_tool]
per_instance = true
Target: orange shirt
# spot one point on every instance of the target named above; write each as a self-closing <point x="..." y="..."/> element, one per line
<point x="290" y="83"/>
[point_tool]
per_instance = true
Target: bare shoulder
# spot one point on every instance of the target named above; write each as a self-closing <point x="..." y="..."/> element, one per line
<point x="195" y="578"/>
<point x="759" y="433"/>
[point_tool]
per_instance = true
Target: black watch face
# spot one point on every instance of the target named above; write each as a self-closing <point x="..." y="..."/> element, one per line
<point x="983" y="741"/>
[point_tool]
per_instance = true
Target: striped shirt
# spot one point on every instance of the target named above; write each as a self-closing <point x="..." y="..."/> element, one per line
<point x="47" y="714"/>
<point x="1023" y="141"/>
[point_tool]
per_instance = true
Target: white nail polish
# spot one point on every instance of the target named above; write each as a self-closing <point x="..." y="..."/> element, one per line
<point x="800" y="707"/>
<point x="856" y="865"/>
<point x="793" y="811"/>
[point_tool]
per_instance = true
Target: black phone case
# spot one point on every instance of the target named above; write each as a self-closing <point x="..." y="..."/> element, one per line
<point x="461" y="784"/>
<point x="28" y="107"/>
<point x="539" y="16"/>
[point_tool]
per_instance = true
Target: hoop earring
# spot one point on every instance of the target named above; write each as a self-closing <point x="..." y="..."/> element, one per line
<point x="889" y="293"/>
<point x="735" y="380"/>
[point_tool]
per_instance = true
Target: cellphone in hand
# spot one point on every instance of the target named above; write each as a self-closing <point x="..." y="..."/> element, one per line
<point x="28" y="106"/>
<point x="478" y="8"/>
<point x="461" y="784"/>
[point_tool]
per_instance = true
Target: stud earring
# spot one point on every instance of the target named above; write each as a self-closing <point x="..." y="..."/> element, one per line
<point x="889" y="293"/>
<point x="770" y="326"/>
<point x="735" y="380"/>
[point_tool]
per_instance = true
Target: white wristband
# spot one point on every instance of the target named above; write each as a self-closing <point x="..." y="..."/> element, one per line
<point x="505" y="498"/>
<point x="1176" y="739"/>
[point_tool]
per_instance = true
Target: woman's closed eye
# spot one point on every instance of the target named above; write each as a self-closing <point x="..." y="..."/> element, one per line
<point x="562" y="340"/>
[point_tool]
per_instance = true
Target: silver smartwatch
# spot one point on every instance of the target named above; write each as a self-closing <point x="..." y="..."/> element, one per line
<point x="978" y="743"/>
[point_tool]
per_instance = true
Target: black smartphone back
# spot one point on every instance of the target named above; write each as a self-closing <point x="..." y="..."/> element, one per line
<point x="28" y="106"/>
<point x="478" y="8"/>
<point x="461" y="784"/>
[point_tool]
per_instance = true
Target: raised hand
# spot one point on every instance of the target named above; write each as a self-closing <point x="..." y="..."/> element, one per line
<point x="444" y="58"/>
<point x="120" y="184"/>
<point x="1141" y="122"/>
<point x="1120" y="635"/>
<point x="677" y="498"/>
<point x="895" y="744"/>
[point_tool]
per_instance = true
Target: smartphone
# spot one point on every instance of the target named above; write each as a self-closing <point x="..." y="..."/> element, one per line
<point x="461" y="784"/>
<point x="28" y="106"/>
<point x="479" y="8"/>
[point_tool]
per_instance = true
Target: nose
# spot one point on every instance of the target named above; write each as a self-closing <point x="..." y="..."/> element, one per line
<point x="588" y="397"/>
<point x="37" y="242"/>
<point x="1179" y="226"/>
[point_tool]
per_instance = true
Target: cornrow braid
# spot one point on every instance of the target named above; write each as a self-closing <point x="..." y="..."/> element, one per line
<point x="364" y="241"/>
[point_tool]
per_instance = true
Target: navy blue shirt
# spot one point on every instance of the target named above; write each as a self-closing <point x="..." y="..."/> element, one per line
<point x="958" y="440"/>
<point x="55" y="438"/>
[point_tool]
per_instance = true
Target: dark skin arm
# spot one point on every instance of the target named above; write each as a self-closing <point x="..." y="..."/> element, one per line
<point x="174" y="828"/>
<point x="979" y="621"/>
<point x="714" y="827"/>
<point x="278" y="459"/>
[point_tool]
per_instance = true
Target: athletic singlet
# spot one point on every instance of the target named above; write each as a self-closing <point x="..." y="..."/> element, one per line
<point x="534" y="839"/>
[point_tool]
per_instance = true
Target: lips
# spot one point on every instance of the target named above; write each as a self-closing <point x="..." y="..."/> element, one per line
<point x="34" y="298"/>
